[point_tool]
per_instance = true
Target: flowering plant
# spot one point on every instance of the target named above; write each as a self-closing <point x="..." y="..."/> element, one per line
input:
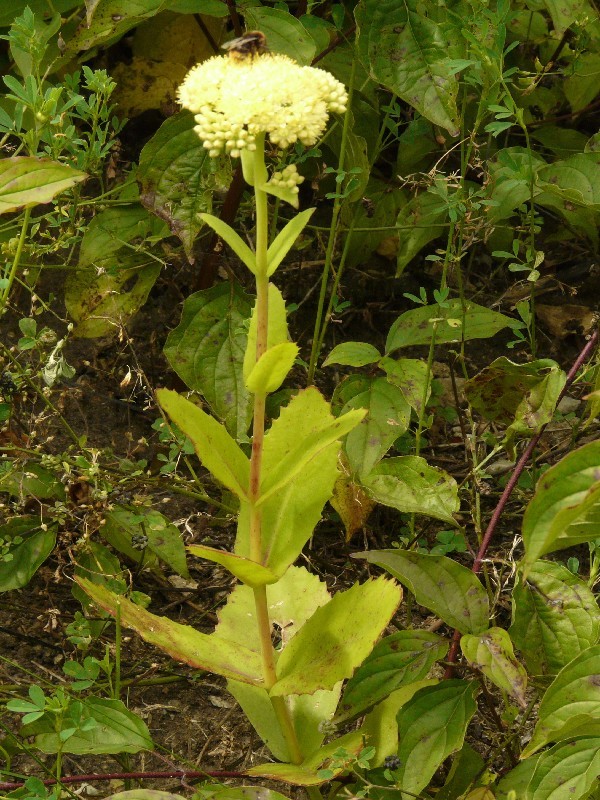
<point x="289" y="691"/>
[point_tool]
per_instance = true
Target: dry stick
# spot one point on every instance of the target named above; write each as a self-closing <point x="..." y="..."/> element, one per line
<point x="520" y="466"/>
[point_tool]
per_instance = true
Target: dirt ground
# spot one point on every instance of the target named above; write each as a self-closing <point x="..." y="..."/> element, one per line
<point x="193" y="721"/>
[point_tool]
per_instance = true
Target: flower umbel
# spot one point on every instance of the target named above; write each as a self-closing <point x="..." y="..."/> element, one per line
<point x="235" y="100"/>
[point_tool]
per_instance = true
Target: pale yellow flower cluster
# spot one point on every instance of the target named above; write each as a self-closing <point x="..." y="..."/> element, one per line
<point x="288" y="177"/>
<point x="236" y="100"/>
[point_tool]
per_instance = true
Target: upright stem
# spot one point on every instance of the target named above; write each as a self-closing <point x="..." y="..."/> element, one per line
<point x="279" y="704"/>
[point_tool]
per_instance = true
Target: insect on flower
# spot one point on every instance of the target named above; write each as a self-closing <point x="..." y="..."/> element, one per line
<point x="252" y="43"/>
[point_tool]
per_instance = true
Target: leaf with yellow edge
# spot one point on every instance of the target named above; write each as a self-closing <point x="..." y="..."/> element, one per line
<point x="277" y="332"/>
<point x="271" y="369"/>
<point x="249" y="572"/>
<point x="336" y="638"/>
<point x="217" y="450"/>
<point x="201" y="650"/>
<point x="306" y="774"/>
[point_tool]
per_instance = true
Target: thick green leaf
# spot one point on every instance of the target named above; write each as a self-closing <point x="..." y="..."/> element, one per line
<point x="410" y="54"/>
<point x="118" y="730"/>
<point x="13" y="8"/>
<point x="26" y="556"/>
<point x="300" y="467"/>
<point x="492" y="653"/>
<point x="431" y="727"/>
<point x="286" y="238"/>
<point x="291" y="601"/>
<point x="387" y="418"/>
<point x="336" y="638"/>
<point x="571" y="705"/>
<point x="555" y="617"/>
<point x="207" y="350"/>
<point x="412" y="376"/>
<point x="144" y="794"/>
<point x="249" y="572"/>
<point x="219" y="453"/>
<point x="567" y="771"/>
<point x="277" y="332"/>
<point x="581" y="84"/>
<point x="27" y="181"/>
<point x="397" y="660"/>
<point x="455" y="324"/>
<point x="380" y="727"/>
<point x="233" y="239"/>
<point x="178" y="178"/>
<point x="306" y="774"/>
<point x="467" y="768"/>
<point x="517" y="780"/>
<point x="565" y="509"/>
<point x="445" y="587"/>
<point x="203" y="651"/>
<point x="411" y="485"/>
<point x="423" y="219"/>
<point x="353" y="354"/>
<point x="272" y="368"/>
<point x="571" y="188"/>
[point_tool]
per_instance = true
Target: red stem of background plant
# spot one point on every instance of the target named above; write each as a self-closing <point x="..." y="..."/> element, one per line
<point x="512" y="482"/>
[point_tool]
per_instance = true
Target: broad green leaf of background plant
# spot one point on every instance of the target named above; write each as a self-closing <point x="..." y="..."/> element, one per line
<point x="571" y="705"/>
<point x="410" y="54"/>
<point x="178" y="178"/>
<point x="207" y="350"/>
<point x="411" y="375"/>
<point x="277" y="332"/>
<point x="387" y="418"/>
<point x="336" y="638"/>
<point x="26" y="556"/>
<point x="581" y="84"/>
<point x="164" y="538"/>
<point x="308" y="773"/>
<point x="565" y="509"/>
<point x="272" y="368"/>
<point x="118" y="730"/>
<point x="456" y="324"/>
<point x="182" y="642"/>
<point x="291" y="602"/>
<point x="517" y="779"/>
<point x="467" y="767"/>
<point x="27" y="181"/>
<point x="380" y="727"/>
<point x="300" y="467"/>
<point x="566" y="772"/>
<point x="499" y="390"/>
<point x="286" y="238"/>
<point x="411" y="485"/>
<point x="512" y="171"/>
<point x="30" y="479"/>
<point x="356" y="158"/>
<point x="285" y="34"/>
<point x="564" y="14"/>
<point x="219" y="453"/>
<point x="449" y="590"/>
<point x="233" y="239"/>
<point x="572" y="188"/>
<point x="423" y="219"/>
<point x="522" y="396"/>
<point x="12" y="8"/>
<point x="113" y="277"/>
<point x="555" y="617"/>
<point x="353" y="354"/>
<point x="432" y="726"/>
<point x="108" y="20"/>
<point x="249" y="572"/>
<point x="492" y="653"/>
<point x="397" y="660"/>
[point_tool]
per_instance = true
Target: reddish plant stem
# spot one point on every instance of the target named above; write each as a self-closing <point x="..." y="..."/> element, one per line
<point x="109" y="776"/>
<point x="508" y="490"/>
